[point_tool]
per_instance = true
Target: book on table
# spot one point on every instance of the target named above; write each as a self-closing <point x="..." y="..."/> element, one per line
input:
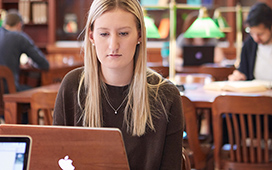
<point x="239" y="86"/>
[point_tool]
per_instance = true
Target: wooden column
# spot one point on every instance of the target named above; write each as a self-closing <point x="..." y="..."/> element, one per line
<point x="51" y="21"/>
<point x="232" y="22"/>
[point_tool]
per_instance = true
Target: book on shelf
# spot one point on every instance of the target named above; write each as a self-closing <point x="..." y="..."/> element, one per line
<point x="239" y="86"/>
<point x="33" y="10"/>
<point x="24" y="9"/>
<point x="39" y="13"/>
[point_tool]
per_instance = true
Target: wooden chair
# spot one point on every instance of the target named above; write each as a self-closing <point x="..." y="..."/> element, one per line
<point x="191" y="81"/>
<point x="6" y="76"/>
<point x="218" y="73"/>
<point x="162" y="70"/>
<point x="45" y="102"/>
<point x="200" y="153"/>
<point x="249" y="135"/>
<point x="154" y="55"/>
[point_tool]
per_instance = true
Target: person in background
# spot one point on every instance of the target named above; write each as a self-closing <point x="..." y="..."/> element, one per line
<point x="181" y="42"/>
<point x="13" y="43"/>
<point x="256" y="56"/>
<point x="116" y="89"/>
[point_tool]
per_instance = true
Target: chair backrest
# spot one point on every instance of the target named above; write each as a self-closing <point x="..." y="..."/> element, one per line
<point x="189" y="78"/>
<point x="42" y="101"/>
<point x="7" y="78"/>
<point x="218" y="73"/>
<point x="248" y="132"/>
<point x="192" y="130"/>
<point x="162" y="70"/>
<point x="154" y="55"/>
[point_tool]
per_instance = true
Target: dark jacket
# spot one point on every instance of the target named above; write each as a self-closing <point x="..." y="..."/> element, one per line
<point x="248" y="58"/>
<point x="12" y="45"/>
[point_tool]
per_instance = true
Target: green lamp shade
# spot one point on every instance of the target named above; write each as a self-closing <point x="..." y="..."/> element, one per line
<point x="222" y="24"/>
<point x="151" y="29"/>
<point x="2" y="16"/>
<point x="203" y="28"/>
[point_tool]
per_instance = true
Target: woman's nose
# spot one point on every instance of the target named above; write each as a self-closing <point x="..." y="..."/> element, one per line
<point x="114" y="43"/>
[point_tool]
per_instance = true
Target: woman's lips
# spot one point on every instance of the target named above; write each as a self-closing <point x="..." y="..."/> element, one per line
<point x="114" y="55"/>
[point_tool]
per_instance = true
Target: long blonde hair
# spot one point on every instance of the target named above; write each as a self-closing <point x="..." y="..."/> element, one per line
<point x="137" y="112"/>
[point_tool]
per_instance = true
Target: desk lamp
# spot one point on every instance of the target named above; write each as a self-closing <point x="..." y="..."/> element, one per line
<point x="220" y="21"/>
<point x="2" y="16"/>
<point x="238" y="9"/>
<point x="151" y="29"/>
<point x="203" y="27"/>
<point x="172" y="6"/>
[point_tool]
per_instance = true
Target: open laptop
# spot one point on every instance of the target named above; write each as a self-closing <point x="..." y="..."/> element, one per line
<point x="15" y="152"/>
<point x="68" y="148"/>
<point x="197" y="55"/>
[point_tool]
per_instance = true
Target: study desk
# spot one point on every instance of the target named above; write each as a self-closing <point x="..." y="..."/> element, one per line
<point x="60" y="65"/>
<point x="13" y="102"/>
<point x="195" y="92"/>
<point x="204" y="98"/>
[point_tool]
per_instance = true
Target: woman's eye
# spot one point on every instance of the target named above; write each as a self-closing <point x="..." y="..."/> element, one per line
<point x="103" y="34"/>
<point x="123" y="33"/>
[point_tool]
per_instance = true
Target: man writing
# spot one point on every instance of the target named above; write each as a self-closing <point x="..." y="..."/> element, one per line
<point x="13" y="42"/>
<point x="256" y="56"/>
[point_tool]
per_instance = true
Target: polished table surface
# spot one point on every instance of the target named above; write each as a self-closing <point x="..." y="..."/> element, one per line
<point x="60" y="65"/>
<point x="195" y="92"/>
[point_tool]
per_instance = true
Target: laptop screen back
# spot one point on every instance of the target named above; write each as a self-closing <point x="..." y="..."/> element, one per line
<point x="63" y="147"/>
<point x="197" y="55"/>
<point x="14" y="152"/>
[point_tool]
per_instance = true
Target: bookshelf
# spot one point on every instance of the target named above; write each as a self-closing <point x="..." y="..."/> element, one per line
<point x="47" y="33"/>
<point x="39" y="18"/>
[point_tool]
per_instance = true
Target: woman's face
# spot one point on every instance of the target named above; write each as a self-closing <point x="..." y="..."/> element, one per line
<point x="115" y="37"/>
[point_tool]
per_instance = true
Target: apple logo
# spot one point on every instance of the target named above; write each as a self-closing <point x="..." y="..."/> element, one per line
<point x="66" y="163"/>
<point x="198" y="55"/>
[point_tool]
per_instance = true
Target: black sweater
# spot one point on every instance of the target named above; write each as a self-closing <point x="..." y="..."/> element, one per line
<point x="152" y="151"/>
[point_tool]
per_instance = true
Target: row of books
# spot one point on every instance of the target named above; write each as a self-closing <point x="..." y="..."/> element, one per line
<point x="33" y="11"/>
<point x="154" y="2"/>
<point x="189" y="2"/>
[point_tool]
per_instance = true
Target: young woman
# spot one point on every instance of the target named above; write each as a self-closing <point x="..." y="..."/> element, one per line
<point x="116" y="89"/>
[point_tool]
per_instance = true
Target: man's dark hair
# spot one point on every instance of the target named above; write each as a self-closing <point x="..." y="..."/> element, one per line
<point x="260" y="13"/>
<point x="13" y="17"/>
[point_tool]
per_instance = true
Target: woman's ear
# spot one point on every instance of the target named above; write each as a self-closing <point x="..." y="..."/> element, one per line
<point x="91" y="36"/>
<point x="140" y="37"/>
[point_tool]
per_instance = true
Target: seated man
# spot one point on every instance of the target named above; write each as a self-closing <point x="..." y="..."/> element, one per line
<point x="13" y="42"/>
<point x="256" y="56"/>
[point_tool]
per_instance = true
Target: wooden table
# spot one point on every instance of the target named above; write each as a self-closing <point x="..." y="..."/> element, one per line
<point x="13" y="102"/>
<point x="60" y="65"/>
<point x="195" y="92"/>
<point x="204" y="98"/>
